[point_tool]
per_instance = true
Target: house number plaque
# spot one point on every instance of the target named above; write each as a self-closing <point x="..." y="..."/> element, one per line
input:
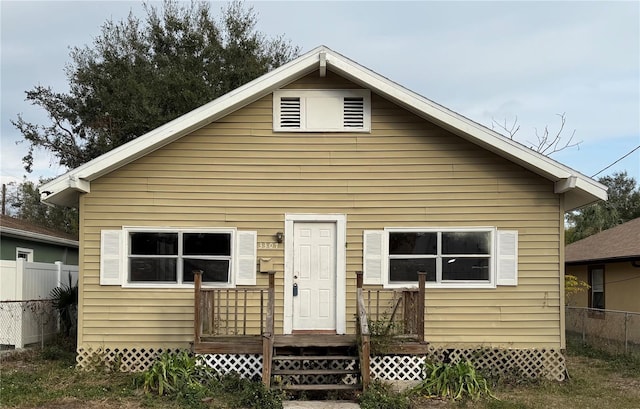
<point x="262" y="245"/>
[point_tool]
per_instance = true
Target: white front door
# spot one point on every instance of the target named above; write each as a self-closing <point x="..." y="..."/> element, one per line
<point x="314" y="275"/>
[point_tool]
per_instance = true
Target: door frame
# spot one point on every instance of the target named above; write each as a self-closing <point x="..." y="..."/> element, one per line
<point x="340" y="221"/>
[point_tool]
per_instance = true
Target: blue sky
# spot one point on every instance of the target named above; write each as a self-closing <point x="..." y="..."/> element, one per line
<point x="484" y="60"/>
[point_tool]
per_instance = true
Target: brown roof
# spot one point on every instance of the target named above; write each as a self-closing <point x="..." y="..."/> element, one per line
<point x="25" y="226"/>
<point x="620" y="242"/>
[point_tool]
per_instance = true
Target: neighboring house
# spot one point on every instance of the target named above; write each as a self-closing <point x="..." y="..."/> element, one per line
<point x="609" y="262"/>
<point x="22" y="239"/>
<point x="317" y="170"/>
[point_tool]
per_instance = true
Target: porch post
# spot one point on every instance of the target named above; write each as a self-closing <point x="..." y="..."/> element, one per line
<point x="197" y="284"/>
<point x="268" y="336"/>
<point x="422" y="278"/>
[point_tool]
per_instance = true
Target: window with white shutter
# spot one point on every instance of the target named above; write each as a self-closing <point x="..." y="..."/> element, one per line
<point x="147" y="257"/>
<point x="322" y="110"/>
<point x="451" y="257"/>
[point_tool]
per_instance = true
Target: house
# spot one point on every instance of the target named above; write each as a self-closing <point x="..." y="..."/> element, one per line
<point x="22" y="239"/>
<point x="609" y="262"/>
<point x="281" y="191"/>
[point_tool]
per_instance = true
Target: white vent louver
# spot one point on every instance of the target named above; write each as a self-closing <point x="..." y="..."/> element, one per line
<point x="353" y="112"/>
<point x="323" y="110"/>
<point x="290" y="112"/>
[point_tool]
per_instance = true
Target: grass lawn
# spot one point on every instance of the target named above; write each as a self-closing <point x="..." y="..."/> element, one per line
<point x="47" y="379"/>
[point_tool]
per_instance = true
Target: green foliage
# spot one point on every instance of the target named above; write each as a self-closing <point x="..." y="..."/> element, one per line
<point x="141" y="73"/>
<point x="65" y="300"/>
<point x="623" y="205"/>
<point x="23" y="202"/>
<point x="244" y="393"/>
<point x="572" y="285"/>
<point x="453" y="381"/>
<point x="381" y="395"/>
<point x="383" y="332"/>
<point x="172" y="373"/>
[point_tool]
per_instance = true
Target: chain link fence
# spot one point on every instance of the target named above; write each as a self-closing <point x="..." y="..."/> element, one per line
<point x="617" y="332"/>
<point x="27" y="322"/>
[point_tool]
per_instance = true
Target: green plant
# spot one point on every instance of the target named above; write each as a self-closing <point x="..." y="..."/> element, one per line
<point x="381" y="395"/>
<point x="383" y="332"/>
<point x="173" y="373"/>
<point x="244" y="393"/>
<point x="65" y="300"/>
<point x="453" y="381"/>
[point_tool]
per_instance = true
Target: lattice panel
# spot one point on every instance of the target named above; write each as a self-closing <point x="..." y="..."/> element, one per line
<point x="119" y="359"/>
<point x="532" y="363"/>
<point x="246" y="365"/>
<point x="397" y="367"/>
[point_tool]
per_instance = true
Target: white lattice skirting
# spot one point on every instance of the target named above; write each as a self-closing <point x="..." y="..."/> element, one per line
<point x="532" y="363"/>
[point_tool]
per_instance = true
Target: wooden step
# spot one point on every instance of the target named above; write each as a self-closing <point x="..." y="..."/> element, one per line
<point x="325" y="387"/>
<point x="314" y="340"/>
<point x="315" y="372"/>
<point x="314" y="357"/>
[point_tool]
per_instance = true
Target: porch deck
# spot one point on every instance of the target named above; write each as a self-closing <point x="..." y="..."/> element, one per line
<point x="231" y="335"/>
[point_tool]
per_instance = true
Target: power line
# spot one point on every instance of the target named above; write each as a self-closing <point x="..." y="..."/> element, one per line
<point x="632" y="150"/>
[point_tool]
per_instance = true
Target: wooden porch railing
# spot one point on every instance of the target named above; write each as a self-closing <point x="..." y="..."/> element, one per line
<point x="398" y="312"/>
<point x="268" y="334"/>
<point x="220" y="312"/>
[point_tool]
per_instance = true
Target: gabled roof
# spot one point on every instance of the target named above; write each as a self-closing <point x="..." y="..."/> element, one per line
<point x="617" y="243"/>
<point x="13" y="227"/>
<point x="579" y="189"/>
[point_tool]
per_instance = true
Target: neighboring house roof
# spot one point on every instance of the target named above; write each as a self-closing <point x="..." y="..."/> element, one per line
<point x="12" y="227"/>
<point x="615" y="244"/>
<point x="579" y="189"/>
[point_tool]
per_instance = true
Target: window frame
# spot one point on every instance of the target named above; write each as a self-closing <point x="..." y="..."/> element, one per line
<point x="24" y="251"/>
<point x="439" y="283"/>
<point x="591" y="269"/>
<point x="126" y="279"/>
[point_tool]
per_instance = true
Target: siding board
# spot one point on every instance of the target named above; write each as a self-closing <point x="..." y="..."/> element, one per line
<point x="407" y="172"/>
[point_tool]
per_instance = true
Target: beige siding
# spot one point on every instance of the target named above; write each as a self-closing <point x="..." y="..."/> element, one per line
<point x="406" y="172"/>
<point x="621" y="286"/>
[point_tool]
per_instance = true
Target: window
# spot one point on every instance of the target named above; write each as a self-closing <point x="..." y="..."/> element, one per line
<point x="452" y="257"/>
<point x="23" y="253"/>
<point x="345" y="110"/>
<point x="446" y="256"/>
<point x="596" y="292"/>
<point x="170" y="257"/>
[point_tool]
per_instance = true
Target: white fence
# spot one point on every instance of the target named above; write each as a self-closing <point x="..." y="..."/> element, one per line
<point x="617" y="332"/>
<point x="26" y="313"/>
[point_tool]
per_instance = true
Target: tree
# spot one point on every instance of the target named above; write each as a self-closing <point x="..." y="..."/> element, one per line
<point x="140" y="74"/>
<point x="547" y="142"/>
<point x="23" y="202"/>
<point x="623" y="205"/>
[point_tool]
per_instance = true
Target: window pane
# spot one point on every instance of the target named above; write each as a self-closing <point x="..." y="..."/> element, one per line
<point x="465" y="268"/>
<point x="152" y="269"/>
<point x="413" y="243"/>
<point x="213" y="270"/>
<point x="598" y="300"/>
<point x="160" y="244"/>
<point x="407" y="269"/>
<point x="476" y="242"/>
<point x="207" y="244"/>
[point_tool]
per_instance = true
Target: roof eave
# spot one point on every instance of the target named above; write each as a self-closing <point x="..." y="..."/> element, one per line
<point x="45" y="238"/>
<point x="60" y="193"/>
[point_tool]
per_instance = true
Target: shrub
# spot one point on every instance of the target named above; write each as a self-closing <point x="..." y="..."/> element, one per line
<point x="453" y="381"/>
<point x="381" y="395"/>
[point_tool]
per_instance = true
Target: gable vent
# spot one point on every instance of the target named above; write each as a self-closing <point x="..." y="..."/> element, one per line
<point x="290" y="112"/>
<point x="322" y="110"/>
<point x="353" y="112"/>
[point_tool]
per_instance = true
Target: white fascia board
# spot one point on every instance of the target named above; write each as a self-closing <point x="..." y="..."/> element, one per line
<point x="39" y="237"/>
<point x="181" y="126"/>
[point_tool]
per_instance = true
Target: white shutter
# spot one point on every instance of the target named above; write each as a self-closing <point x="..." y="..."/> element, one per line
<point x="246" y="243"/>
<point x="373" y="256"/>
<point x="507" y="260"/>
<point x="111" y="255"/>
